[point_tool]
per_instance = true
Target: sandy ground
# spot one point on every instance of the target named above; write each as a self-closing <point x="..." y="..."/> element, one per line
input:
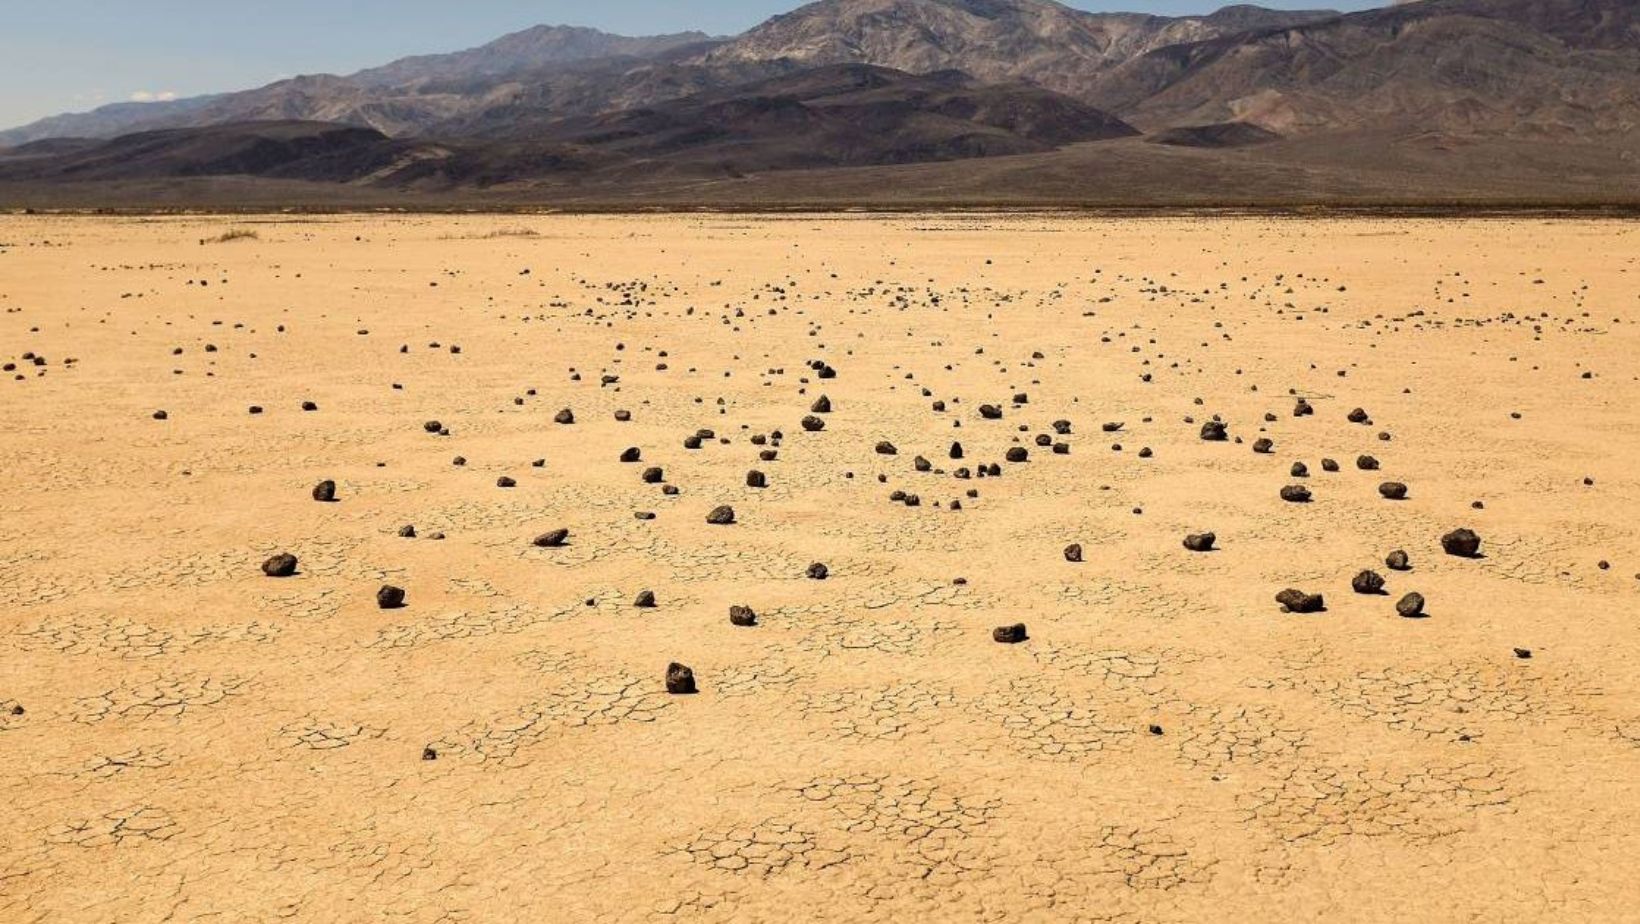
<point x="184" y="738"/>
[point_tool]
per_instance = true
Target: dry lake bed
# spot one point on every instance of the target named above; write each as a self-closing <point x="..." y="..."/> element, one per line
<point x="542" y="475"/>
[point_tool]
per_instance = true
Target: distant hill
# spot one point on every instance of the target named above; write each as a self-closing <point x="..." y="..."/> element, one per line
<point x="1217" y="135"/>
<point x="1514" y="98"/>
<point x="522" y="51"/>
<point x="994" y="40"/>
<point x="301" y="150"/>
<point x="575" y="71"/>
<point x="848" y="115"/>
<point x="1548" y="68"/>
<point x="397" y="98"/>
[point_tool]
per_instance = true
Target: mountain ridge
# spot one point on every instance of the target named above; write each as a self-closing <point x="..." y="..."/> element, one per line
<point x="1045" y="42"/>
<point x="1499" y="97"/>
<point x="413" y="94"/>
<point x="396" y="97"/>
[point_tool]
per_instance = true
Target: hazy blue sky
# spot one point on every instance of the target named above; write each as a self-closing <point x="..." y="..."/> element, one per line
<point x="70" y="55"/>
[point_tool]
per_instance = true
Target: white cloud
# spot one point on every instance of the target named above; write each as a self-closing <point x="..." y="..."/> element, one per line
<point x="149" y="96"/>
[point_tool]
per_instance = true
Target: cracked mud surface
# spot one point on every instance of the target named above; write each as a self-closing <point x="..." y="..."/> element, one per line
<point x="185" y="739"/>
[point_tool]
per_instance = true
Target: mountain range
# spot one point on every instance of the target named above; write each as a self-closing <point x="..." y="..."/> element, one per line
<point x="1505" y="100"/>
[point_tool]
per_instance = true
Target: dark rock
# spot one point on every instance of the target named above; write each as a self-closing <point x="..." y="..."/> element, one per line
<point x="282" y="565"/>
<point x="390" y="597"/>
<point x="1462" y="543"/>
<point x="723" y="515"/>
<point x="813" y="424"/>
<point x="432" y="426"/>
<point x="1300" y="470"/>
<point x="653" y="475"/>
<point x="1200" y="542"/>
<point x="565" y="416"/>
<point x="1009" y="635"/>
<point x="161" y="415"/>
<point x="552" y="540"/>
<point x="1398" y="561"/>
<point x="1073" y="553"/>
<point x="756" y="479"/>
<point x="1017" y="454"/>
<point x="1214" y="432"/>
<point x="885" y="448"/>
<point x="505" y="482"/>
<point x="1296" y="494"/>
<point x="1366" y="463"/>
<point x="742" y="616"/>
<point x="956" y="450"/>
<point x="645" y="599"/>
<point x="1329" y="465"/>
<point x="631" y="454"/>
<point x="1297" y="601"/>
<point x="407" y="532"/>
<point x="623" y="416"/>
<point x="1411" y="606"/>
<point x="817" y="572"/>
<point x="680" y="680"/>
<point x="428" y="753"/>
<point x="1523" y="653"/>
<point x="1359" y="416"/>
<point x="1393" y="490"/>
<point x="325" y="492"/>
<point x="990" y="412"/>
<point x="821" y="405"/>
<point x="1264" y="446"/>
<point x="1368" y="582"/>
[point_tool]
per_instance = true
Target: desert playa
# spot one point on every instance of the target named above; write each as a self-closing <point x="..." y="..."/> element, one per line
<point x="827" y="464"/>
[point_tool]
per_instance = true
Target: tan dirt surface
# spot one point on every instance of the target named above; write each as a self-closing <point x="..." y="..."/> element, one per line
<point x="183" y="738"/>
